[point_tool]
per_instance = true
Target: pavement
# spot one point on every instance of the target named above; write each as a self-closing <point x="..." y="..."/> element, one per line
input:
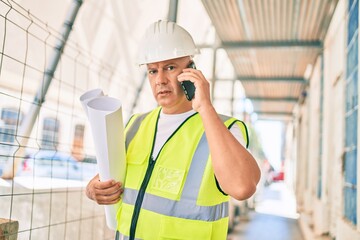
<point x="274" y="216"/>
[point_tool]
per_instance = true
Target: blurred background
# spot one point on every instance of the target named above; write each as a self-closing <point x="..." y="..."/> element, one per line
<point x="289" y="69"/>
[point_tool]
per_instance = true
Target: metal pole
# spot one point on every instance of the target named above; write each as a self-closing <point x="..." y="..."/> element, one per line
<point x="29" y="119"/>
<point x="138" y="92"/>
<point x="173" y="9"/>
<point x="233" y="97"/>
<point x="213" y="74"/>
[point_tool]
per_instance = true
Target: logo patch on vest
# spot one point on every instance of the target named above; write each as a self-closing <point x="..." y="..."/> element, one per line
<point x="168" y="180"/>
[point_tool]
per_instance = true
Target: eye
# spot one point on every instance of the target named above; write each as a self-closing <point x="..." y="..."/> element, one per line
<point x="170" y="68"/>
<point x="152" y="71"/>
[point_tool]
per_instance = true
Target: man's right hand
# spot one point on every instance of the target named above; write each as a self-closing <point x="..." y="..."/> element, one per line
<point x="104" y="193"/>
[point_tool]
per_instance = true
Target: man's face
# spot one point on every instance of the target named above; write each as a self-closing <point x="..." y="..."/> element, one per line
<point x="165" y="86"/>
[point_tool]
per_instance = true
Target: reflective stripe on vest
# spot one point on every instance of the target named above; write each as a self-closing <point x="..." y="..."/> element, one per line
<point x="186" y="207"/>
<point x="130" y="134"/>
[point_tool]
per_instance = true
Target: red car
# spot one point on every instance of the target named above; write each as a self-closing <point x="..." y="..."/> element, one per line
<point x="279" y="176"/>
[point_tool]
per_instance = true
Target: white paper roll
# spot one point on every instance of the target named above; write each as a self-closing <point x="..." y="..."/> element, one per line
<point x="105" y="116"/>
<point x="89" y="95"/>
<point x="107" y="127"/>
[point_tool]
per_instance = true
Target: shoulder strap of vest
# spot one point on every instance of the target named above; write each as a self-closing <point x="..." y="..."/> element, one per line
<point x="133" y="126"/>
<point x="230" y="121"/>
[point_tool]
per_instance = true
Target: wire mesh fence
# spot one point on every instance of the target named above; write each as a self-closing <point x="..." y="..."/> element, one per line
<point x="44" y="173"/>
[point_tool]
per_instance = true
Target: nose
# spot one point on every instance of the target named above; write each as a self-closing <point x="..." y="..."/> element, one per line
<point x="161" y="78"/>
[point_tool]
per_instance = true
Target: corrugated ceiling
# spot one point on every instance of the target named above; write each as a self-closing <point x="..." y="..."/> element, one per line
<point x="270" y="44"/>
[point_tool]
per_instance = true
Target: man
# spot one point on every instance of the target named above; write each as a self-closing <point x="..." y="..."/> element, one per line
<point x="183" y="162"/>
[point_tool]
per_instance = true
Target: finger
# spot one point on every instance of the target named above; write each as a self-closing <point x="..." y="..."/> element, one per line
<point x="187" y="77"/>
<point x="191" y="70"/>
<point x="109" y="198"/>
<point x="108" y="202"/>
<point x="191" y="73"/>
<point x="106" y="184"/>
<point x="108" y="190"/>
<point x="194" y="71"/>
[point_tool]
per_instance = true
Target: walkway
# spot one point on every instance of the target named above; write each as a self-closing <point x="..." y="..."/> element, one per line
<point x="274" y="218"/>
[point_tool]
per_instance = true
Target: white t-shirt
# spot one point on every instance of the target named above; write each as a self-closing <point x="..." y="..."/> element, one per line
<point x="168" y="123"/>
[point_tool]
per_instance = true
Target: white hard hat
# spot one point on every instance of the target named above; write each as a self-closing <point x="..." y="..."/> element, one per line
<point x="165" y="40"/>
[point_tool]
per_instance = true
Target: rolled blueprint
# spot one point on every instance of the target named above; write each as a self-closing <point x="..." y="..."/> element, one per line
<point x="106" y="122"/>
<point x="89" y="95"/>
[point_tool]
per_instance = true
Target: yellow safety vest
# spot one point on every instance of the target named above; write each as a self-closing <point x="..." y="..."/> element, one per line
<point x="176" y="195"/>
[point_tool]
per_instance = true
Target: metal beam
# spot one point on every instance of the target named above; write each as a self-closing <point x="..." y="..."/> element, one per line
<point x="267" y="44"/>
<point x="271" y="79"/>
<point x="173" y="9"/>
<point x="280" y="118"/>
<point x="274" y="113"/>
<point x="138" y="92"/>
<point x="265" y="79"/>
<point x="285" y="99"/>
<point x="272" y="44"/>
<point x="213" y="75"/>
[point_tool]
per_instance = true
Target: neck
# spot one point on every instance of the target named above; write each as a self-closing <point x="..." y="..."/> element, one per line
<point x="177" y="110"/>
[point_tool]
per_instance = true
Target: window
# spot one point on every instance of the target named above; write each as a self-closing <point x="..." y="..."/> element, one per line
<point x="78" y="143"/>
<point x="351" y="117"/>
<point x="9" y="119"/>
<point x="50" y="134"/>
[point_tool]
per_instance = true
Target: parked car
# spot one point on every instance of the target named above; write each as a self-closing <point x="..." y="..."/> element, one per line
<point x="55" y="164"/>
<point x="278" y="176"/>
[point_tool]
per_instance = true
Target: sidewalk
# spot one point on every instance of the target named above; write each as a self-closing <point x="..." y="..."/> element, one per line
<point x="274" y="218"/>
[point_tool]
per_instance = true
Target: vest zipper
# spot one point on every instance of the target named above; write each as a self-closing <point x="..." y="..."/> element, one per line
<point x="140" y="197"/>
<point x="145" y="182"/>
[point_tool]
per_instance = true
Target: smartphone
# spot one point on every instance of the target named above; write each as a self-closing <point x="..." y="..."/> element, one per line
<point x="189" y="87"/>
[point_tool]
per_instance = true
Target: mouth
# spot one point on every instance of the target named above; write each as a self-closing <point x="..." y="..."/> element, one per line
<point x="163" y="92"/>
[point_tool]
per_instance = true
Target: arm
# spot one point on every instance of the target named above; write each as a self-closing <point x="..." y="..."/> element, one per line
<point x="235" y="168"/>
<point x="107" y="192"/>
